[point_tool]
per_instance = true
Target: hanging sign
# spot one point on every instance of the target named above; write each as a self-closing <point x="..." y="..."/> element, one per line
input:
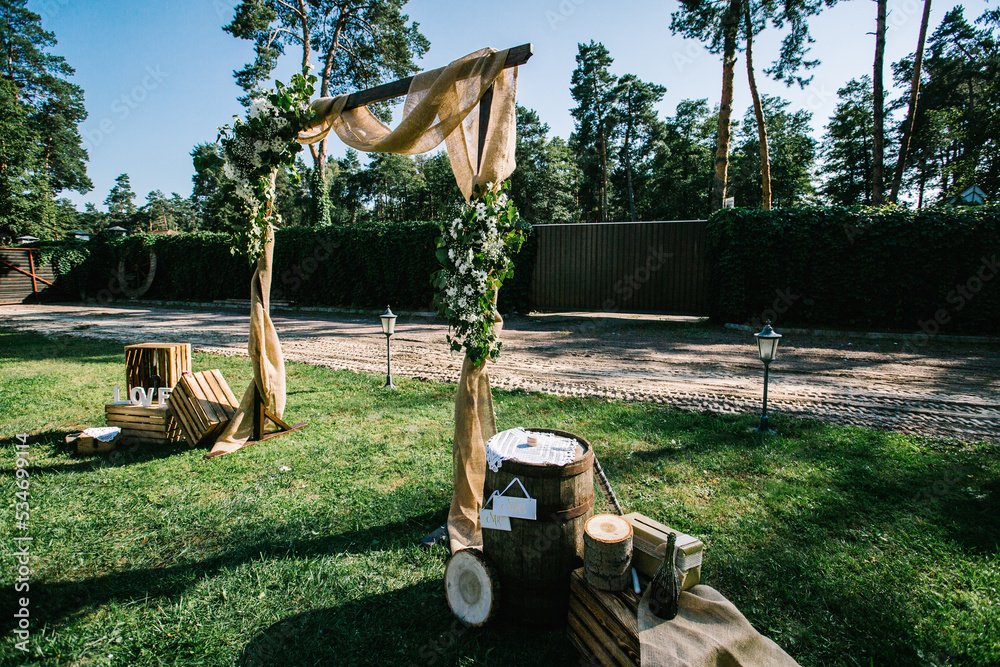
<point x="516" y="508"/>
<point x="490" y="519"/>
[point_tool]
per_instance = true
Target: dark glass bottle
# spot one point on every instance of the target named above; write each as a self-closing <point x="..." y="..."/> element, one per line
<point x="665" y="590"/>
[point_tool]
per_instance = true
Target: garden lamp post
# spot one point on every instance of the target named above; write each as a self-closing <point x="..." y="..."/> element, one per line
<point x="388" y="328"/>
<point x="767" y="344"/>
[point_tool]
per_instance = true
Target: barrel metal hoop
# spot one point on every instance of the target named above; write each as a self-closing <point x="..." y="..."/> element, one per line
<point x="563" y="515"/>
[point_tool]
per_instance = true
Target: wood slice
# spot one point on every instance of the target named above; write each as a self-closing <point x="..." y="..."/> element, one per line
<point x="607" y="552"/>
<point x="472" y="587"/>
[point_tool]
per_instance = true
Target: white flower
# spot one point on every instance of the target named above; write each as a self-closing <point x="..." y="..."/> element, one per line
<point x="259" y="106"/>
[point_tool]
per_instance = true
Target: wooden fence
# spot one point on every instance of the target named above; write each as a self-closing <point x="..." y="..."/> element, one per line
<point x="656" y="267"/>
<point x="21" y="276"/>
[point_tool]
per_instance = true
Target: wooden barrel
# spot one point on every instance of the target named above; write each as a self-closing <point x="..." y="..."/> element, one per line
<point x="535" y="558"/>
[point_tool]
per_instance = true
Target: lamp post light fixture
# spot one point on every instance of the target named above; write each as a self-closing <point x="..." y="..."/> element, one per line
<point x="767" y="344"/>
<point x="388" y="328"/>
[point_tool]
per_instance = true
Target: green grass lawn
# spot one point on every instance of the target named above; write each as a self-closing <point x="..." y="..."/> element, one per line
<point x="846" y="546"/>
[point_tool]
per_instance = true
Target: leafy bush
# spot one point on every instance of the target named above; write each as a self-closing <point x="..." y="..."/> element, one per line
<point x="366" y="265"/>
<point x="890" y="268"/>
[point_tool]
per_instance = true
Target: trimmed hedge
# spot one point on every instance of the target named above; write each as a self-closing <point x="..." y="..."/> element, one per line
<point x="351" y="266"/>
<point x="931" y="270"/>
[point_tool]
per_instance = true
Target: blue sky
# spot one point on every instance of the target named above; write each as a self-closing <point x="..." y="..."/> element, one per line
<point x="158" y="77"/>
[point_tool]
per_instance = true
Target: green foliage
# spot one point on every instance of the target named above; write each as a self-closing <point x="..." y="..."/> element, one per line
<point x="256" y="148"/>
<point x="637" y="131"/>
<point x="543" y="187"/>
<point x="792" y="150"/>
<point x="684" y="164"/>
<point x="957" y="130"/>
<point x="40" y="146"/>
<point x="593" y="88"/>
<point x="364" y="265"/>
<point x="121" y="201"/>
<point x="837" y="267"/>
<point x="476" y="253"/>
<point x="847" y="146"/>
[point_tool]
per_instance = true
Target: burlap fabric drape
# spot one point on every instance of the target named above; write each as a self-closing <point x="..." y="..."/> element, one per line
<point x="443" y="105"/>
<point x="265" y="355"/>
<point x="709" y="631"/>
<point x="438" y="108"/>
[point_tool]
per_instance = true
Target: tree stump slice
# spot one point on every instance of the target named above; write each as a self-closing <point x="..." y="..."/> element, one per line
<point x="472" y="588"/>
<point x="607" y="552"/>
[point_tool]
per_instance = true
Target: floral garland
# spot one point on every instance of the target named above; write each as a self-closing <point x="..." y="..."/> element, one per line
<point x="475" y="251"/>
<point x="256" y="147"/>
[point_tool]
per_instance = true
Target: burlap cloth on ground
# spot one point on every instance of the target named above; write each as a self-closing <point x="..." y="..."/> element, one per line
<point x="709" y="631"/>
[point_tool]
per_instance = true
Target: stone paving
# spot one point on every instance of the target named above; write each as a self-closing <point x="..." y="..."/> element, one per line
<point x="936" y="389"/>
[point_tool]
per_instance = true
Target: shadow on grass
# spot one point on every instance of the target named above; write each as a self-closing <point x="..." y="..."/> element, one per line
<point x="416" y="629"/>
<point x="122" y="456"/>
<point x="61" y="599"/>
<point x="23" y="346"/>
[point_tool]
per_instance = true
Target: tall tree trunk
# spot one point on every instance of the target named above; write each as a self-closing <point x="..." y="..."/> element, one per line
<point x="923" y="181"/>
<point x="878" y="140"/>
<point x="628" y="173"/>
<point x="730" y="28"/>
<point x="911" y="114"/>
<point x="604" y="175"/>
<point x="758" y="109"/>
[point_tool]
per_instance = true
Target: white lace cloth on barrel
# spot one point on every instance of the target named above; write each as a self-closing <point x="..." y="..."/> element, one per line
<point x="513" y="444"/>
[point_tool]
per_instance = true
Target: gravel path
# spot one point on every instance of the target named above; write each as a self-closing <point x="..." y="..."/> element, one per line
<point x="945" y="390"/>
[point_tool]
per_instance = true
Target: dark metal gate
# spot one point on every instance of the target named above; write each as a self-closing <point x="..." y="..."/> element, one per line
<point x="656" y="267"/>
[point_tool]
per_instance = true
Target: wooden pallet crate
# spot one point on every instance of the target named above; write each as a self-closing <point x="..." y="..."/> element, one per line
<point x="154" y="425"/>
<point x="603" y="626"/>
<point x="203" y="404"/>
<point x="166" y="360"/>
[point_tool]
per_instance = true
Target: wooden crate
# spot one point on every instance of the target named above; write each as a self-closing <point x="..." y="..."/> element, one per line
<point x="154" y="425"/>
<point x="143" y="361"/>
<point x="203" y="404"/>
<point x="603" y="626"/>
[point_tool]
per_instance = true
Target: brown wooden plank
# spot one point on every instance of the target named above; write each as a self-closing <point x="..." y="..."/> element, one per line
<point x="221" y="394"/>
<point x="214" y="412"/>
<point x="152" y="412"/>
<point x="181" y="412"/>
<point x="593" y="627"/>
<point x="615" y="611"/>
<point x="588" y="645"/>
<point x="136" y="426"/>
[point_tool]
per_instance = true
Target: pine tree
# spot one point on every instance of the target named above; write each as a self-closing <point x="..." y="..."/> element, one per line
<point x="40" y="147"/>
<point x="847" y="146"/>
<point x="357" y="45"/>
<point x="719" y="24"/>
<point x="121" y="201"/>
<point x="593" y="88"/>
<point x="637" y="129"/>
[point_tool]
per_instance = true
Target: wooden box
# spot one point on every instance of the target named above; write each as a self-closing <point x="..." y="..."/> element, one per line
<point x="203" y="404"/>
<point x="167" y="360"/>
<point x="85" y="445"/>
<point x="649" y="534"/>
<point x="140" y="425"/>
<point x="603" y="626"/>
